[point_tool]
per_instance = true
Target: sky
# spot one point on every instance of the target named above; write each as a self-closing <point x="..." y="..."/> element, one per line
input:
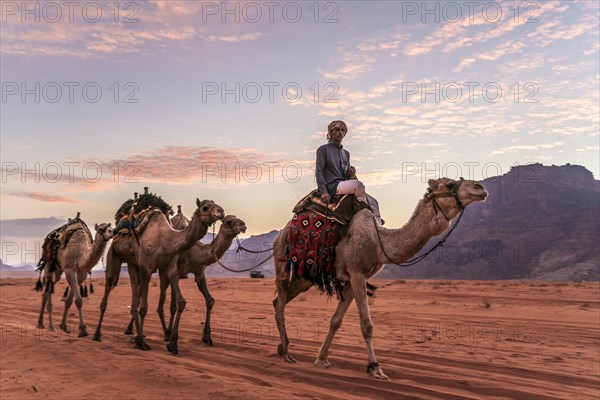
<point x="229" y="100"/>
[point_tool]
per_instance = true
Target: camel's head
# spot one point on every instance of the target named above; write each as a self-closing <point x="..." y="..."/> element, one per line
<point x="209" y="211"/>
<point x="450" y="193"/>
<point x="233" y="225"/>
<point x="105" y="231"/>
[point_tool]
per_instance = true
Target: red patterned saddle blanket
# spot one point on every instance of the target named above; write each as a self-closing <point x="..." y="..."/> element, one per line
<point x="313" y="236"/>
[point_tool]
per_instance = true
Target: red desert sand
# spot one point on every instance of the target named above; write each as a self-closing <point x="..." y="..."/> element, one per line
<point x="434" y="340"/>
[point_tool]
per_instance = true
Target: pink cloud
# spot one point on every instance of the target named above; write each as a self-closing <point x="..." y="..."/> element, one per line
<point x="39" y="196"/>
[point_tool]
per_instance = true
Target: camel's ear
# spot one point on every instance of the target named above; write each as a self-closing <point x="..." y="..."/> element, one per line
<point x="198" y="202"/>
<point x="96" y="226"/>
<point x="433" y="184"/>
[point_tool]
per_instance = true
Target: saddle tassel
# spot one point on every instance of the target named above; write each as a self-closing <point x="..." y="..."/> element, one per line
<point x="38" y="285"/>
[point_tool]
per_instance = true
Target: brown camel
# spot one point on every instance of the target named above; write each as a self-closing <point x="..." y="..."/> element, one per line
<point x="364" y="250"/>
<point x="178" y="222"/>
<point x="113" y="269"/>
<point x="195" y="260"/>
<point x="159" y="247"/>
<point x="76" y="256"/>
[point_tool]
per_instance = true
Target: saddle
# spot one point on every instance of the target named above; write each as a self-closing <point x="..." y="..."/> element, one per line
<point x="139" y="221"/>
<point x="340" y="208"/>
<point x="59" y="238"/>
<point x="313" y="235"/>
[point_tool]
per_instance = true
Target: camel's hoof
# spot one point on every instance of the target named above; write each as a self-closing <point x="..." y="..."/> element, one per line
<point x="40" y="325"/>
<point x="374" y="370"/>
<point x="82" y="331"/>
<point x="207" y="340"/>
<point x="140" y="343"/>
<point x="322" y="363"/>
<point x="63" y="327"/>
<point x="97" y="337"/>
<point x="51" y="328"/>
<point x="173" y="348"/>
<point x="128" y="332"/>
<point x="288" y="358"/>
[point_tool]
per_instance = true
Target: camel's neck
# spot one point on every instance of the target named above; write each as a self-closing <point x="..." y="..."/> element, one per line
<point x="204" y="254"/>
<point x="402" y="244"/>
<point x="184" y="239"/>
<point x="96" y="252"/>
<point x="221" y="243"/>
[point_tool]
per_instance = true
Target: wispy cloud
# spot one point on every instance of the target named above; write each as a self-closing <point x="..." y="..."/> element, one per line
<point x="588" y="148"/>
<point x="530" y="147"/>
<point x="39" y="196"/>
<point x="231" y="38"/>
<point x="353" y="66"/>
<point x="380" y="177"/>
<point x="501" y="50"/>
<point x="159" y="24"/>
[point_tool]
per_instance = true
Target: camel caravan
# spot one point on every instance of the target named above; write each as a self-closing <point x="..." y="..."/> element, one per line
<point x="335" y="245"/>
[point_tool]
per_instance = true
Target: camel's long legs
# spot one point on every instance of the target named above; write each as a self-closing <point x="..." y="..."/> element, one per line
<point x="135" y="273"/>
<point x="144" y="282"/>
<point x="111" y="278"/>
<point x="210" y="302"/>
<point x="71" y="276"/>
<point x="172" y="310"/>
<point x="286" y="292"/>
<point x="280" y="302"/>
<point x="46" y="303"/>
<point x="359" y="287"/>
<point x="164" y="285"/>
<point x="334" y="325"/>
<point x="174" y="281"/>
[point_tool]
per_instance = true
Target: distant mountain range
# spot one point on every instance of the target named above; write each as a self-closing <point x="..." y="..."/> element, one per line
<point x="538" y="223"/>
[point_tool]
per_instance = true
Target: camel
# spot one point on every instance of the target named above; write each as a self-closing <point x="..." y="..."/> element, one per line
<point x="113" y="269"/>
<point x="76" y="256"/>
<point x="362" y="252"/>
<point x="158" y="246"/>
<point x="195" y="260"/>
<point x="128" y="246"/>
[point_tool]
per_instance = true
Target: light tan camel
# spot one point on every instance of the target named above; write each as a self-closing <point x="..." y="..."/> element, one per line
<point x="195" y="260"/>
<point x="360" y="254"/>
<point x="76" y="256"/>
<point x="159" y="246"/>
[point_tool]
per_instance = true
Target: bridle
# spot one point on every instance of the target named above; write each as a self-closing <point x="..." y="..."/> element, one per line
<point x="452" y="193"/>
<point x="102" y="230"/>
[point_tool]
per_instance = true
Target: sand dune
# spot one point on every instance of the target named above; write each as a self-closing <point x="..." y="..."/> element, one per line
<point x="434" y="339"/>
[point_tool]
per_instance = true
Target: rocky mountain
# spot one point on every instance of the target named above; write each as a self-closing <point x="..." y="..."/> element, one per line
<point x="539" y="222"/>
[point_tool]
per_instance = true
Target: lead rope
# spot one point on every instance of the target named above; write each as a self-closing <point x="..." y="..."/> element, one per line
<point x="240" y="270"/>
<point x="422" y="256"/>
<point x="240" y="247"/>
<point x="440" y="242"/>
<point x="212" y="253"/>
